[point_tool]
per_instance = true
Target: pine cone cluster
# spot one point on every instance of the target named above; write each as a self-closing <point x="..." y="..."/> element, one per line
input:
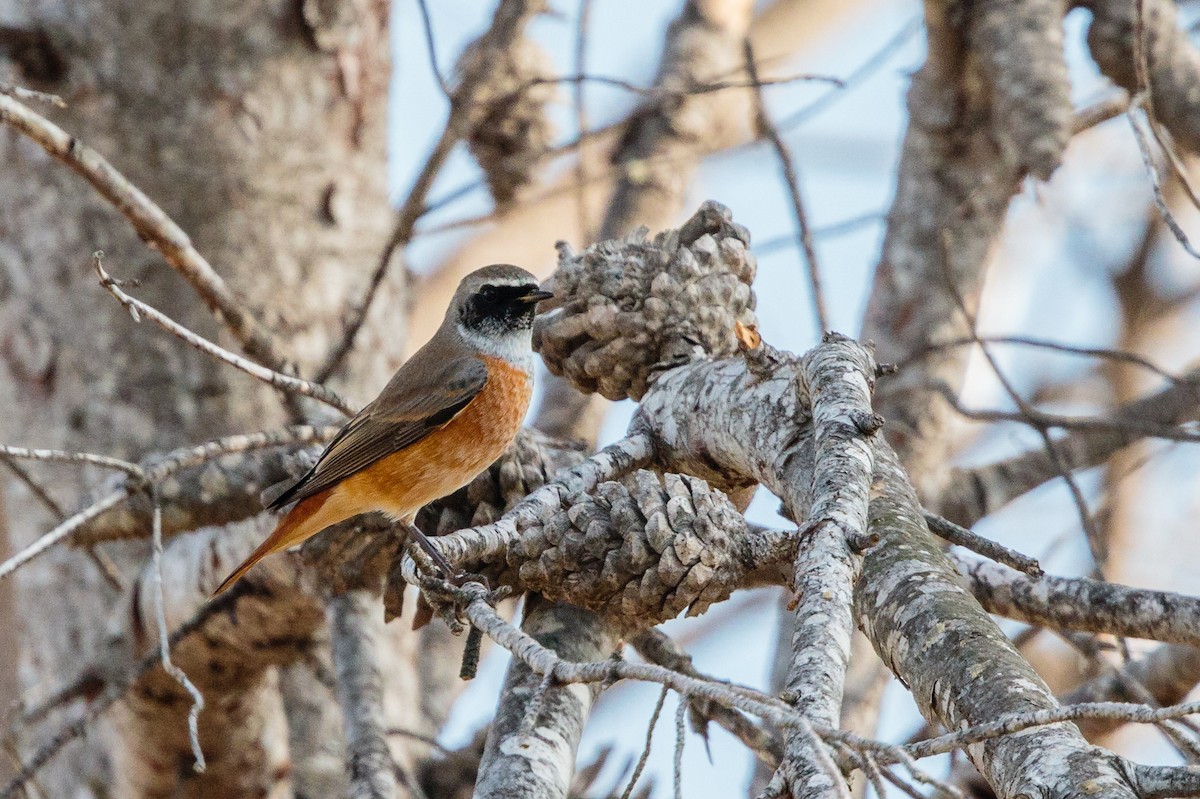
<point x="630" y="309"/>
<point x="507" y="127"/>
<point x="639" y="551"/>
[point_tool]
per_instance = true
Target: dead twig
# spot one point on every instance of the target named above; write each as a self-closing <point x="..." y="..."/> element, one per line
<point x="286" y="383"/>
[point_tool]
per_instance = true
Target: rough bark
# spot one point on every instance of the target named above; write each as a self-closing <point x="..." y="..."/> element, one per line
<point x="316" y="745"/>
<point x="962" y="160"/>
<point x="1172" y="64"/>
<point x="227" y="658"/>
<point x="959" y="667"/>
<point x="260" y="132"/>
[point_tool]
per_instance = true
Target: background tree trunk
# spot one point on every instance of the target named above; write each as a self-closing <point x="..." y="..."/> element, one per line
<point x="260" y="129"/>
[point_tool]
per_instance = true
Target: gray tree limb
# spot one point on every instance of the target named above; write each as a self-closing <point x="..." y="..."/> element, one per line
<point x="959" y="667"/>
<point x="356" y="635"/>
<point x="971" y="494"/>
<point x="1080" y="603"/>
<point x="951" y="683"/>
<point x="840" y="376"/>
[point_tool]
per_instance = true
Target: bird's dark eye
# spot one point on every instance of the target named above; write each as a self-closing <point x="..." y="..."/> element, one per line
<point x="488" y="292"/>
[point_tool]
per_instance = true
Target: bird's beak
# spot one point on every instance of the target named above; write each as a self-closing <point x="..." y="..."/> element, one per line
<point x="536" y="296"/>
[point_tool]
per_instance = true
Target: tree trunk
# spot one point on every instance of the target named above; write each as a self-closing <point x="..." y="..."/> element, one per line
<point x="260" y="129"/>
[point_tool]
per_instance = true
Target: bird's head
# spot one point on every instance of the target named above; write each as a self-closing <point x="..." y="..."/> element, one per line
<point x="494" y="307"/>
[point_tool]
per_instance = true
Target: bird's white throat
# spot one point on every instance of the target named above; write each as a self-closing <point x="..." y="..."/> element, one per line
<point x="513" y="346"/>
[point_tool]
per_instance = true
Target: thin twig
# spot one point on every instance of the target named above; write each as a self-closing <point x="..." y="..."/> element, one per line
<point x="1037" y="418"/>
<point x="680" y="736"/>
<point x="164" y="641"/>
<point x="62" y="531"/>
<point x="283" y="382"/>
<point x="156" y="473"/>
<point x="61" y="456"/>
<point x="875" y="61"/>
<point x="767" y="129"/>
<point x="581" y="159"/>
<point x="840" y="228"/>
<point x="427" y="22"/>
<point x="1091" y="532"/>
<point x="507" y="22"/>
<point x="1099" y="112"/>
<point x="32" y="95"/>
<point x="100" y="559"/>
<point x="645" y="756"/>
<point x="1122" y="356"/>
<point x="1160" y="200"/>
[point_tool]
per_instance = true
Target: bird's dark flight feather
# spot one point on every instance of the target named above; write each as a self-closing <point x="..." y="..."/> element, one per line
<point x="420" y="398"/>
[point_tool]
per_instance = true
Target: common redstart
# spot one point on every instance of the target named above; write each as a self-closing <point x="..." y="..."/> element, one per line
<point x="448" y="413"/>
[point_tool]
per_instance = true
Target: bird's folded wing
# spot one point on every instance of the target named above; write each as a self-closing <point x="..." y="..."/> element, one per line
<point x="415" y="403"/>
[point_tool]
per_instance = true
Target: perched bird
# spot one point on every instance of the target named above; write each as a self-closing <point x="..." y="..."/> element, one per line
<point x="448" y="413"/>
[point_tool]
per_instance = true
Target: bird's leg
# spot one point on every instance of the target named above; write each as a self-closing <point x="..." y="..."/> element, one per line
<point x="448" y="572"/>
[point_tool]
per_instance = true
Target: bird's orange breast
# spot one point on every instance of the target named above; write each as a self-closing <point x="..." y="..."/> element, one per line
<point x="450" y="457"/>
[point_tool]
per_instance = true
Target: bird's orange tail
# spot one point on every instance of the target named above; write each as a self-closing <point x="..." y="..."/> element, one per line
<point x="293" y="528"/>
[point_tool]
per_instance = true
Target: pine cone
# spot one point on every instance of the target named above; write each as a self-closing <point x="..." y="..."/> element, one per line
<point x="507" y="127"/>
<point x="639" y="551"/>
<point x="629" y="309"/>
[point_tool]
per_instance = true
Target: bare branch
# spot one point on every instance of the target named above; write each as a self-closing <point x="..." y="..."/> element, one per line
<point x="1167" y="673"/>
<point x="164" y="644"/>
<point x="792" y="183"/>
<point x="59" y="456"/>
<point x="1160" y="782"/>
<point x="1078" y="603"/>
<point x="1170" y="62"/>
<point x="216" y="483"/>
<point x="656" y="647"/>
<point x="961" y="536"/>
<point x="839" y="376"/>
<point x="356" y="629"/>
<point x="160" y="470"/>
<point x="507" y="24"/>
<point x="959" y="644"/>
<point x="972" y="494"/>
